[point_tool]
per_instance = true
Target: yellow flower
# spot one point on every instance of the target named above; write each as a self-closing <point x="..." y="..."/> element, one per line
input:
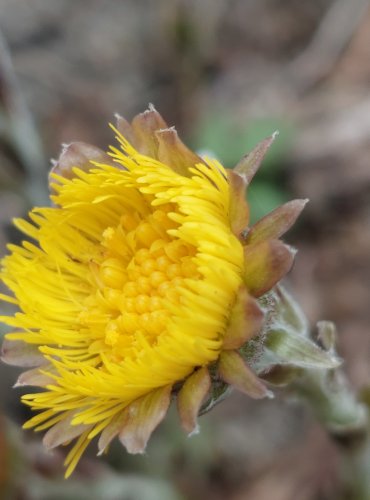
<point x="140" y="277"/>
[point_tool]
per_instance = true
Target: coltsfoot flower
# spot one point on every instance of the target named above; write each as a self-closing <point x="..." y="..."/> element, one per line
<point x="139" y="284"/>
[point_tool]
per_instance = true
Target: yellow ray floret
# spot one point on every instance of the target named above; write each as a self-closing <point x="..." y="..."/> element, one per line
<point x="126" y="286"/>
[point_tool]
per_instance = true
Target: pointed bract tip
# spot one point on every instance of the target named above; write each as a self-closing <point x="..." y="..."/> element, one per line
<point x="276" y="223"/>
<point x="250" y="163"/>
<point x="234" y="371"/>
<point x="292" y="249"/>
<point x="78" y="155"/>
<point x="194" y="432"/>
<point x="172" y="151"/>
<point x="167" y="129"/>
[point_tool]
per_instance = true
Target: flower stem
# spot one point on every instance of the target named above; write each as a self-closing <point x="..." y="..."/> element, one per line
<point x="336" y="406"/>
<point x="309" y="367"/>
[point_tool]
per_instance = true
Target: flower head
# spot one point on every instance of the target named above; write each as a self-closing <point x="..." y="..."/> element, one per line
<point x="141" y="277"/>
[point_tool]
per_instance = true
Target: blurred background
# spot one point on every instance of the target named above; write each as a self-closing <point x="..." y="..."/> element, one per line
<point x="227" y="73"/>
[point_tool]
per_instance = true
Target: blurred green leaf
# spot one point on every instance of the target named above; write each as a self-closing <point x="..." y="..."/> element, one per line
<point x="219" y="134"/>
<point x="264" y="197"/>
<point x="229" y="140"/>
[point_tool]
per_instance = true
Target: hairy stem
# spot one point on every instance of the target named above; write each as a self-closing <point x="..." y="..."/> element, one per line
<point x="346" y="419"/>
<point x="311" y="369"/>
